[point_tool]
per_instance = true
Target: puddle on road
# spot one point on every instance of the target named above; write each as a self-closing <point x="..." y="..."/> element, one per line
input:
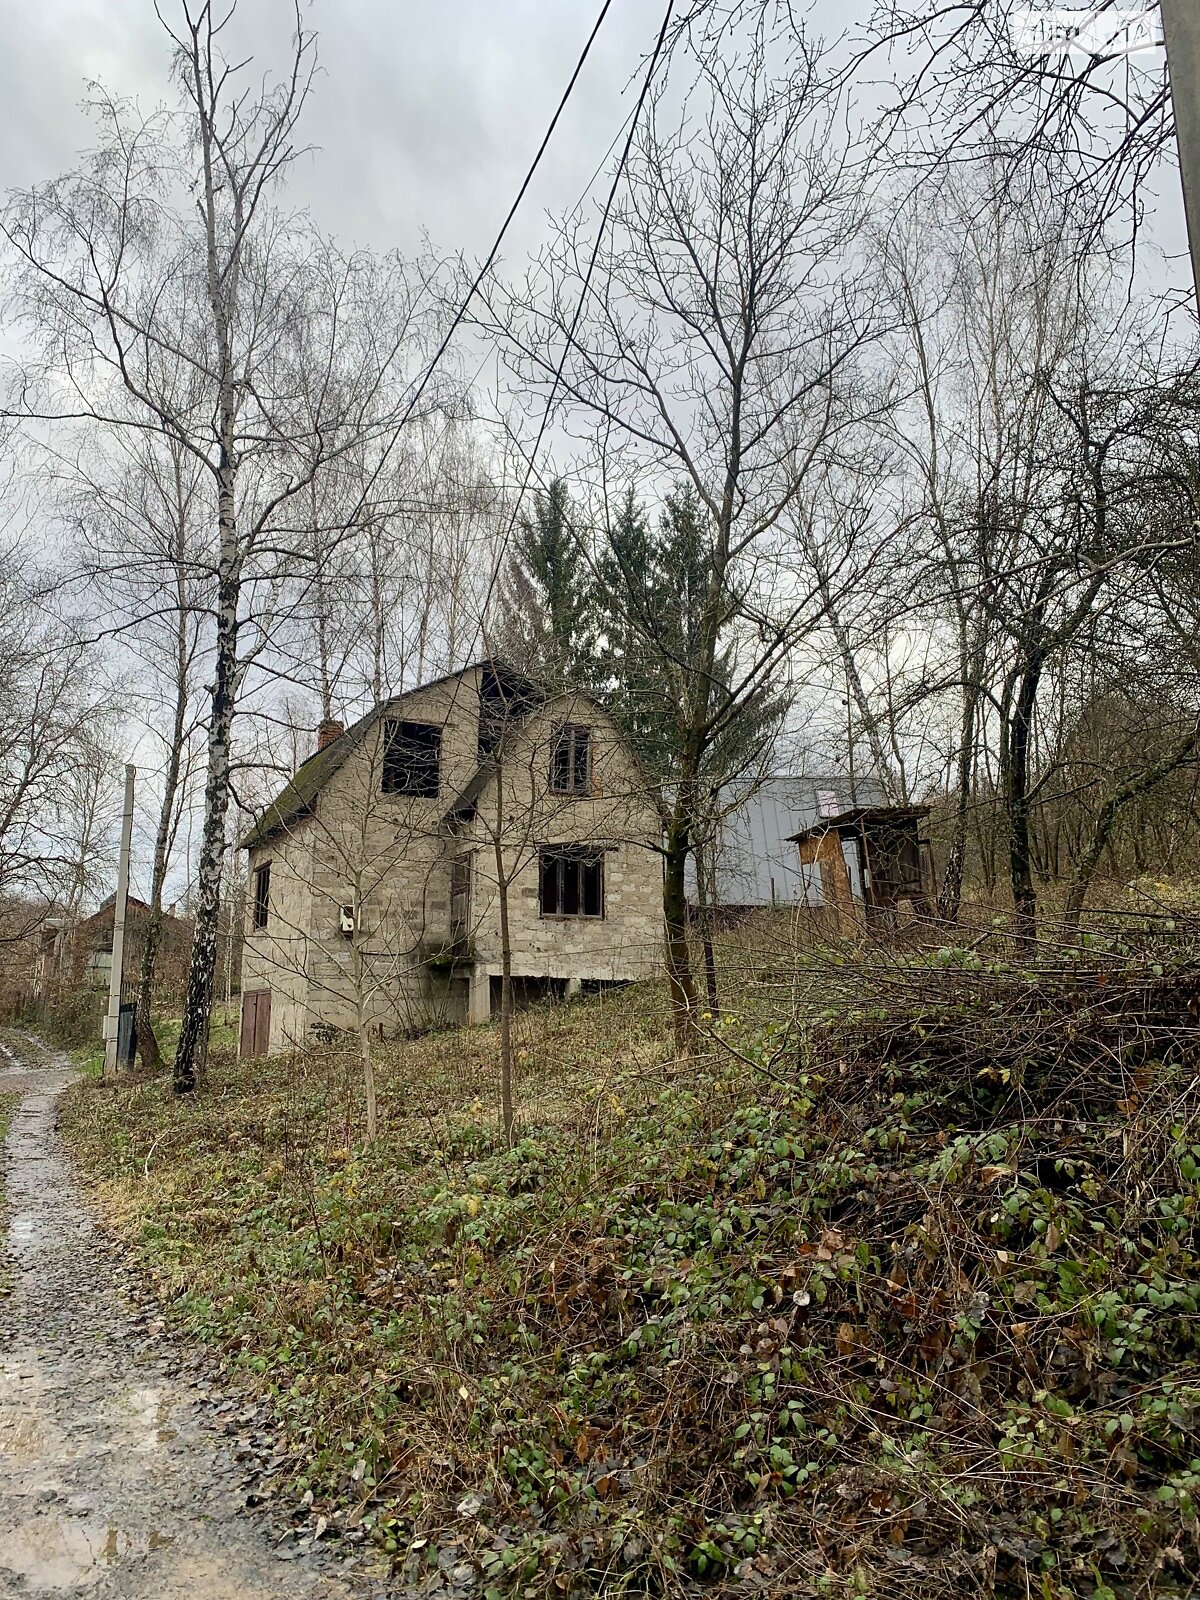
<point x="106" y="1485"/>
<point x="22" y="1438"/>
<point x="29" y="1436"/>
<point x="64" y="1552"/>
<point x="54" y="1552"/>
<point x="152" y="1408"/>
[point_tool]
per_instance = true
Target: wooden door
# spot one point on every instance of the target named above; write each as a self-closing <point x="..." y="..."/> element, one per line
<point x="256" y="1024"/>
<point x="262" y="1028"/>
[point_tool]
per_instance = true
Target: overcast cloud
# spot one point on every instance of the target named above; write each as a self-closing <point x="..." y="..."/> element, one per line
<point x="426" y="114"/>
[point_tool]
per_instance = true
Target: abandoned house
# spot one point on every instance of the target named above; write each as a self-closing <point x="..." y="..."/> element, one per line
<point x="751" y="862"/>
<point x="874" y="863"/>
<point x="79" y="954"/>
<point x="382" y="875"/>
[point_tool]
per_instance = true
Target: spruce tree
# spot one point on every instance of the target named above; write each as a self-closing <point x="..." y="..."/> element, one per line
<point x="629" y="620"/>
<point x="654" y="584"/>
<point x="546" y="625"/>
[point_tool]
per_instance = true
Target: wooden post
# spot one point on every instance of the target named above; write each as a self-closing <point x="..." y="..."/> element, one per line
<point x="113" y="1019"/>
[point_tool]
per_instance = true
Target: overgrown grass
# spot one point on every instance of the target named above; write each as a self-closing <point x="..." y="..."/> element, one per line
<point x="893" y="1286"/>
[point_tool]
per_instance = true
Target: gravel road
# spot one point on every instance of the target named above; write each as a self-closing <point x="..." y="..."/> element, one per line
<point x="114" y="1478"/>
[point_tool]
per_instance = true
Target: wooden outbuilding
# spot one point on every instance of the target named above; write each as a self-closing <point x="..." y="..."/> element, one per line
<point x="870" y="863"/>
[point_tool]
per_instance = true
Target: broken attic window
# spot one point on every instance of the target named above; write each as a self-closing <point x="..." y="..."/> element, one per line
<point x="504" y="700"/>
<point x="571" y="760"/>
<point x="571" y="882"/>
<point x="496" y="705"/>
<point x="412" y="754"/>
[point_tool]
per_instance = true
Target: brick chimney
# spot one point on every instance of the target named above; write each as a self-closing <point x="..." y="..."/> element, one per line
<point x="327" y="732"/>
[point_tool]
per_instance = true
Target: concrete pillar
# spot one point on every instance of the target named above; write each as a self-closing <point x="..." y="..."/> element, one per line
<point x="574" y="988"/>
<point x="479" y="995"/>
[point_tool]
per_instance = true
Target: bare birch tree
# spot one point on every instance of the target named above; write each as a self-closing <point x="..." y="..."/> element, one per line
<point x="167" y="241"/>
<point x="53" y="706"/>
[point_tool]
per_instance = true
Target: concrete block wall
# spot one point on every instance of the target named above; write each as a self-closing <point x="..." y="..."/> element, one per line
<point x="390" y="856"/>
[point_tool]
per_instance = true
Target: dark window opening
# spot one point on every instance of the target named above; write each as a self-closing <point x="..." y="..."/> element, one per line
<point x="495" y="707"/>
<point x="589" y="988"/>
<point x="262" y="895"/>
<point x="527" y="992"/>
<point x="412" y="754"/>
<point x="504" y="700"/>
<point x="571" y="883"/>
<point x="571" y="760"/>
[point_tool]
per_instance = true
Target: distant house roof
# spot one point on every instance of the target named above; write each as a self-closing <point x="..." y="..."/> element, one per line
<point x="97" y="930"/>
<point x="106" y="904"/>
<point x="104" y="911"/>
<point x="296" y="798"/>
<point x="757" y="863"/>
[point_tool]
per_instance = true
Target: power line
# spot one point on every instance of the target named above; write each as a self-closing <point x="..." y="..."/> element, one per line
<point x="487" y="265"/>
<point x="583" y="295"/>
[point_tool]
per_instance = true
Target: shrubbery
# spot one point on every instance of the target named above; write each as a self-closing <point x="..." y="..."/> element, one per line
<point x="896" y="1292"/>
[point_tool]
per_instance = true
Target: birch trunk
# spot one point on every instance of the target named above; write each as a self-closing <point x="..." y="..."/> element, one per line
<point x="147" y="1044"/>
<point x="192" y="1050"/>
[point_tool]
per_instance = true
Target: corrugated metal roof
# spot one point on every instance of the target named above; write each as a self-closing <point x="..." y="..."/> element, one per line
<point x="757" y="865"/>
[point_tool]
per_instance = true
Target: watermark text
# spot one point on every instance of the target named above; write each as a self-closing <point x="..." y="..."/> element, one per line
<point x="1107" y="32"/>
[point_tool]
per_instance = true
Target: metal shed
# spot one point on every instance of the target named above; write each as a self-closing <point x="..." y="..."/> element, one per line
<point x="754" y="862"/>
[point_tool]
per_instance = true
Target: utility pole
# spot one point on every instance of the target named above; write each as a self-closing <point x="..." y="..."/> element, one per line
<point x="112" y="1021"/>
<point x="1181" y="33"/>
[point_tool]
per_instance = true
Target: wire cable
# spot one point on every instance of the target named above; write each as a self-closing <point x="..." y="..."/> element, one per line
<point x="484" y="269"/>
<point x="531" y="458"/>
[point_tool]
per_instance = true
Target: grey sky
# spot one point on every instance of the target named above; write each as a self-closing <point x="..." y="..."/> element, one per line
<point x="426" y="114"/>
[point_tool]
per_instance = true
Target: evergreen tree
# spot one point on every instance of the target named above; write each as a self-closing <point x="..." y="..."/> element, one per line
<point x="654" y="586"/>
<point x="546" y="622"/>
<point x="629" y="616"/>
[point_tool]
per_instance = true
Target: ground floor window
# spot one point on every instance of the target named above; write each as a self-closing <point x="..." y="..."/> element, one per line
<point x="571" y="882"/>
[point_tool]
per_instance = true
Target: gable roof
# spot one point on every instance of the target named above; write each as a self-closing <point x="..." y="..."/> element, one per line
<point x="296" y="798"/>
<point x="463" y="806"/>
